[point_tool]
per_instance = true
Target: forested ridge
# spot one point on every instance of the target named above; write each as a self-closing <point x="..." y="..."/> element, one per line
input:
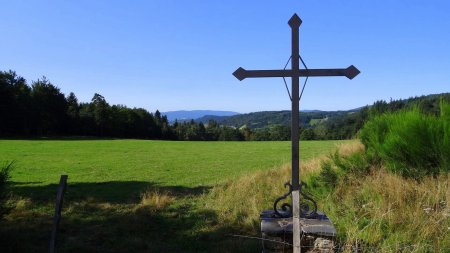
<point x="326" y="125"/>
<point x="40" y="109"/>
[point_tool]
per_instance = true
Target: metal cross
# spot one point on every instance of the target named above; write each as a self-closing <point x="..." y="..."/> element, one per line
<point x="295" y="73"/>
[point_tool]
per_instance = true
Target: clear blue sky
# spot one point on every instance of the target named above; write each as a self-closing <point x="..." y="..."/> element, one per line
<point x="172" y="55"/>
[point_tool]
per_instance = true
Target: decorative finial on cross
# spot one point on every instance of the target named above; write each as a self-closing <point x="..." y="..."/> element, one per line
<point x="295" y="73"/>
<point x="295" y="21"/>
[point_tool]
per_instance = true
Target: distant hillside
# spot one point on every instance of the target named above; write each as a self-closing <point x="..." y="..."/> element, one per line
<point x="256" y="120"/>
<point x="205" y="119"/>
<point x="327" y="124"/>
<point x="194" y="114"/>
<point x="347" y="125"/>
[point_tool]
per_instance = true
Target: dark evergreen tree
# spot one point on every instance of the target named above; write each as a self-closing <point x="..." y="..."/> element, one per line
<point x="15" y="104"/>
<point x="101" y="113"/>
<point x="49" y="107"/>
<point x="73" y="114"/>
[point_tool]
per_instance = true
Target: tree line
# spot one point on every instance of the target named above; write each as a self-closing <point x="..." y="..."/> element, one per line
<point x="348" y="125"/>
<point x="41" y="109"/>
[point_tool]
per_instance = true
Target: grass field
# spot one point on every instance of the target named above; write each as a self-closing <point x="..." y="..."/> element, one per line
<point x="125" y="194"/>
<point x="166" y="163"/>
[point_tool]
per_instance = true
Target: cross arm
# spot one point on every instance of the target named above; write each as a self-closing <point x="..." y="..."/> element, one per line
<point x="242" y="73"/>
<point x="349" y="72"/>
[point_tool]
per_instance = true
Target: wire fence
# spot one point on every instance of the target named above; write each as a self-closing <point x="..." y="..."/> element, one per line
<point x="283" y="246"/>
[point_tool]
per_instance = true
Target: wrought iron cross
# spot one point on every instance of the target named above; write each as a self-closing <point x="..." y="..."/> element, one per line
<point x="295" y="73"/>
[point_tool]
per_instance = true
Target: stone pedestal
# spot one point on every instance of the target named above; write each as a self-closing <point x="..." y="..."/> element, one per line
<point x="317" y="233"/>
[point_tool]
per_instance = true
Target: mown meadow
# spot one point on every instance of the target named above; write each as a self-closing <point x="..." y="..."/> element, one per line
<point x="149" y="196"/>
<point x="169" y="163"/>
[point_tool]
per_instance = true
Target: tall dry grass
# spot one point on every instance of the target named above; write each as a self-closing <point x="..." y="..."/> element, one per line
<point x="374" y="212"/>
<point x="240" y="202"/>
<point x="385" y="212"/>
<point x="153" y="201"/>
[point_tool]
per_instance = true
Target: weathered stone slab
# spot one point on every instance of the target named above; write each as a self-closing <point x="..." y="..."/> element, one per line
<point x="317" y="234"/>
<point x="320" y="225"/>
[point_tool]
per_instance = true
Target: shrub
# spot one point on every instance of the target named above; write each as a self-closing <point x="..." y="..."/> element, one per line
<point x="411" y="143"/>
<point x="4" y="177"/>
<point x="328" y="175"/>
<point x="356" y="163"/>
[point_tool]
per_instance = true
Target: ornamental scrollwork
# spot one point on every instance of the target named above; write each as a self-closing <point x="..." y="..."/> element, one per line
<point x="285" y="207"/>
<point x="308" y="207"/>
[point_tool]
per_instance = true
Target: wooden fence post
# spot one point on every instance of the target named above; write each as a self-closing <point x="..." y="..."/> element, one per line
<point x="58" y="207"/>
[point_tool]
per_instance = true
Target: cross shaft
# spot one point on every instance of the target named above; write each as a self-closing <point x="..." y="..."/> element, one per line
<point x="295" y="73"/>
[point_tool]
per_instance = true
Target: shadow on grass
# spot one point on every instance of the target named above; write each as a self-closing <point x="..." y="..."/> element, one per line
<point x="23" y="183"/>
<point x="59" y="138"/>
<point x="106" y="217"/>
<point x="117" y="192"/>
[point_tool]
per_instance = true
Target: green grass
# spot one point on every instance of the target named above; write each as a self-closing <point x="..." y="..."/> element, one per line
<point x="163" y="162"/>
<point x="104" y="209"/>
